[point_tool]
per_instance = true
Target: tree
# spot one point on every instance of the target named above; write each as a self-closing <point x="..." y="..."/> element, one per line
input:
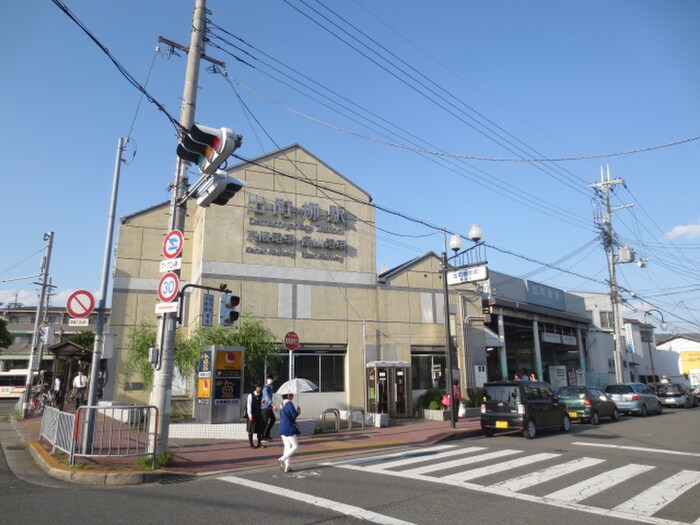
<point x="5" y="338"/>
<point x="252" y="334"/>
<point x="85" y="339"/>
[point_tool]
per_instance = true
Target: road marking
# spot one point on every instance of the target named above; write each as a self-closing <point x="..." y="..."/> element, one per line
<point x="653" y="499"/>
<point x="637" y="449"/>
<point x="468" y="475"/>
<point x="415" y="459"/>
<point x="336" y="506"/>
<point x="423" y="452"/>
<point x="462" y="461"/>
<point x="596" y="484"/>
<point x="548" y="474"/>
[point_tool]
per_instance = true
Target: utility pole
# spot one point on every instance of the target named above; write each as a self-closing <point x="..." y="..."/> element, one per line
<point x="34" y="359"/>
<point x="607" y="234"/>
<point x="163" y="375"/>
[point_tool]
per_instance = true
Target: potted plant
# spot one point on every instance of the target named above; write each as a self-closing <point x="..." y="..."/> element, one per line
<point x="430" y="405"/>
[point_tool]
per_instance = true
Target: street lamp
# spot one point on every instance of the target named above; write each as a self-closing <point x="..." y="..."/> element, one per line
<point x="663" y="326"/>
<point x="475" y="234"/>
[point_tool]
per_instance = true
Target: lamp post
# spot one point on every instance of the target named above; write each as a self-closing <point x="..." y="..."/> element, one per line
<point x="663" y="326"/>
<point x="475" y="235"/>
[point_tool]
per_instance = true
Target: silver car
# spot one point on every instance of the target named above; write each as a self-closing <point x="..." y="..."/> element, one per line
<point x="634" y="398"/>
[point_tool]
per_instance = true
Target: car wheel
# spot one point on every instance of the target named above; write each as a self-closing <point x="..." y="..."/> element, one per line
<point x="566" y="423"/>
<point x="643" y="411"/>
<point x="595" y="418"/>
<point x="488" y="432"/>
<point x="660" y="410"/>
<point x="530" y="430"/>
<point x="688" y="403"/>
<point x="615" y="415"/>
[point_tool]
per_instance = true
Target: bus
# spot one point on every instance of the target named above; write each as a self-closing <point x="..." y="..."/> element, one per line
<point x="12" y="383"/>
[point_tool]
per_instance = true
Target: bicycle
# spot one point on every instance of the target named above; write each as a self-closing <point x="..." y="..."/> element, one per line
<point x="38" y="400"/>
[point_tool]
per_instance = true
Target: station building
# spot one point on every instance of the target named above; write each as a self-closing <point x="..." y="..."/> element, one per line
<point x="298" y="245"/>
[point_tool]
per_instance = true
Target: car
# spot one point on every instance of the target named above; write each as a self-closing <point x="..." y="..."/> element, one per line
<point x="676" y="395"/>
<point x="634" y="398"/>
<point x="528" y="406"/>
<point x="588" y="404"/>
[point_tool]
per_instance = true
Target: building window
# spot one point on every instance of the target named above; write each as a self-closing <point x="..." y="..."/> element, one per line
<point x="325" y="368"/>
<point x="428" y="369"/>
<point x="606" y="319"/>
<point x="611" y="364"/>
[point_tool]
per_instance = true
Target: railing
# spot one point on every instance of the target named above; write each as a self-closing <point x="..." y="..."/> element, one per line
<point x="351" y="417"/>
<point x="110" y="431"/>
<point x="336" y="419"/>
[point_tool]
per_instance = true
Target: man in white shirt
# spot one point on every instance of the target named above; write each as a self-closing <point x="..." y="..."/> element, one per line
<point x="79" y="383"/>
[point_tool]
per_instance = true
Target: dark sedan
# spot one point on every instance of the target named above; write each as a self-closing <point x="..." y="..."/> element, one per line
<point x="588" y="404"/>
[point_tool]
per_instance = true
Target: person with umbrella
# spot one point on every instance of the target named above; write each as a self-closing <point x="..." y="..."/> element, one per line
<point x="288" y="430"/>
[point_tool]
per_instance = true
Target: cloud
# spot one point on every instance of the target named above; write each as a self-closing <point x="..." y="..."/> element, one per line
<point x="688" y="231"/>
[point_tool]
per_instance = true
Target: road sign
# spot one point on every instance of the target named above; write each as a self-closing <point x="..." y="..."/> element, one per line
<point x="207" y="310"/>
<point x="163" y="308"/>
<point x="168" y="265"/>
<point x="291" y="341"/>
<point x="173" y="243"/>
<point x="80" y="304"/>
<point x="78" y="322"/>
<point x="168" y="287"/>
<point x="468" y="275"/>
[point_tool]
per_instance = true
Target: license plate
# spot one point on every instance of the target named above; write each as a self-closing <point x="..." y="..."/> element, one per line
<point x="501" y="424"/>
<point x="573" y="415"/>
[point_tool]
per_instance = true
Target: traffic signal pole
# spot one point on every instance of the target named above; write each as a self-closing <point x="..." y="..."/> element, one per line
<point x="163" y="375"/>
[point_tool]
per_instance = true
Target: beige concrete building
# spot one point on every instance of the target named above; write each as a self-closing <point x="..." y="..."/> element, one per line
<point x="298" y="245"/>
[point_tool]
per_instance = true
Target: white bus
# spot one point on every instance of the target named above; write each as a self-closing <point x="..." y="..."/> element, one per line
<point x="12" y="383"/>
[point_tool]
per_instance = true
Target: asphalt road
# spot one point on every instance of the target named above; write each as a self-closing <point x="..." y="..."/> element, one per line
<point x="422" y="486"/>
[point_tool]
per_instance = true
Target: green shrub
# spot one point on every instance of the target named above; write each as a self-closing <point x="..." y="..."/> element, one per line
<point x="432" y="399"/>
<point x="476" y="395"/>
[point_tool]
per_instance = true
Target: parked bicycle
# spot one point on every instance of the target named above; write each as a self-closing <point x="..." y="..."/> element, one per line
<point x="41" y="396"/>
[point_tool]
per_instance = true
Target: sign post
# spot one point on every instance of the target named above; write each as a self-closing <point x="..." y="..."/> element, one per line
<point x="291" y="343"/>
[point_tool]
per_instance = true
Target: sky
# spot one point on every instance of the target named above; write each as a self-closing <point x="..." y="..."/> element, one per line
<point x="431" y="107"/>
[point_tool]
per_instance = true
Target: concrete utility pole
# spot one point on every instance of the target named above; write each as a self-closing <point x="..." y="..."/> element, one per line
<point x="163" y="374"/>
<point x="608" y="237"/>
<point x="34" y="363"/>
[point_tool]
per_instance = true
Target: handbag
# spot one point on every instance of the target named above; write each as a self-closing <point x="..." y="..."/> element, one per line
<point x="446" y="400"/>
<point x="297" y="431"/>
<point x="462" y="411"/>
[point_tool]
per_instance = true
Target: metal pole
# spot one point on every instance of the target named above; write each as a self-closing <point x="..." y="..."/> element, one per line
<point x="33" y="364"/>
<point x="448" y="342"/>
<point x="163" y="375"/>
<point x="98" y="346"/>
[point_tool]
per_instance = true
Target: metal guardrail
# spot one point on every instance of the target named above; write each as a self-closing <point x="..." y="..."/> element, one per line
<point x="351" y="417"/>
<point x="336" y="418"/>
<point x="109" y="431"/>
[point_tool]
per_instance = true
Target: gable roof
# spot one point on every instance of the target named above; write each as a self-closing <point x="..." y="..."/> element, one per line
<point x="406" y="266"/>
<point x="666" y="338"/>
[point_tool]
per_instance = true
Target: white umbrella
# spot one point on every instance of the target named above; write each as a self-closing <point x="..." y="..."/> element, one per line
<point x="296" y="386"/>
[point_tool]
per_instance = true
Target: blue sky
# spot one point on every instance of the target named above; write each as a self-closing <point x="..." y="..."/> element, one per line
<point x="500" y="80"/>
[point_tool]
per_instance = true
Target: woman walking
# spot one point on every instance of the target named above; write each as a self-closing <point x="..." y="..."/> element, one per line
<point x="288" y="432"/>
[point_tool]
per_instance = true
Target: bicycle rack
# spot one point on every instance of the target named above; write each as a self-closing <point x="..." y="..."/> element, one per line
<point x="336" y="415"/>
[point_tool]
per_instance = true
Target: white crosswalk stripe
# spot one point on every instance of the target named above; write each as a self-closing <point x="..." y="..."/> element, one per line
<point x="642" y="508"/>
<point x="654" y="499"/>
<point x="547" y="474"/>
<point x="592" y="486"/>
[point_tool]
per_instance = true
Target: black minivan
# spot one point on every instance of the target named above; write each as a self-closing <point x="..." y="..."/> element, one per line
<point x="529" y="406"/>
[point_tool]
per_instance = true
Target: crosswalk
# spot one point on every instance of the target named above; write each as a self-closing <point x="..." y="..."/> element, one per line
<point x="586" y="483"/>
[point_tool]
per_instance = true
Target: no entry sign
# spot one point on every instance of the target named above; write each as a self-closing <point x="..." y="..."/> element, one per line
<point x="173" y="243"/>
<point x="80" y="304"/>
<point x="291" y="341"/>
<point x="168" y="287"/>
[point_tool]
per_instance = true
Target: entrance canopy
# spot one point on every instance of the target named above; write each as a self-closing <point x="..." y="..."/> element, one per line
<point x="389" y="364"/>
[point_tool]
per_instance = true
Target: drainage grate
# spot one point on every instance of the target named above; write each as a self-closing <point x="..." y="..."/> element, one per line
<point x="173" y="480"/>
<point x="15" y="447"/>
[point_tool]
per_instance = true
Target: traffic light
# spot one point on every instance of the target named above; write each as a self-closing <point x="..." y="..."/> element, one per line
<point x="227" y="312"/>
<point x="218" y="188"/>
<point x="208" y="147"/>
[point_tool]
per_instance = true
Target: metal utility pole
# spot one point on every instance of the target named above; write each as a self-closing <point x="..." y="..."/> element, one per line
<point x="608" y="238"/>
<point x="34" y="362"/>
<point x="98" y="348"/>
<point x="163" y="375"/>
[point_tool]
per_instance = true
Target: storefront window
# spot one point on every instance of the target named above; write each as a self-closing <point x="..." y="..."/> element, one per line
<point x="327" y="370"/>
<point x="428" y="370"/>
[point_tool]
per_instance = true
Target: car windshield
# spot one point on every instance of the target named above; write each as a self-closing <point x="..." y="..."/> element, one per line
<point x="668" y="389"/>
<point x="572" y="392"/>
<point x="618" y="389"/>
<point x="504" y="393"/>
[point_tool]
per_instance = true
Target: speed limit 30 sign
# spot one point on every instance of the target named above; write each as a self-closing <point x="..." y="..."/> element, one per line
<point x="168" y="287"/>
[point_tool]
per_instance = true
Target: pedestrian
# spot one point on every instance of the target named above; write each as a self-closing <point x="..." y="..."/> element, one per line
<point x="288" y="431"/>
<point x="268" y="409"/>
<point x="254" y="415"/>
<point x="57" y="392"/>
<point x="79" y="383"/>
<point x="456" y="398"/>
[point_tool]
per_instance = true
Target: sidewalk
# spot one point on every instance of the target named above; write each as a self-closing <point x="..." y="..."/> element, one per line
<point x="203" y="457"/>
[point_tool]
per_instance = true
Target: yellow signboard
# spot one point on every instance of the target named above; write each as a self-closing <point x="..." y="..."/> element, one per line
<point x="229" y="360"/>
<point x="203" y="388"/>
<point x="690" y="361"/>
